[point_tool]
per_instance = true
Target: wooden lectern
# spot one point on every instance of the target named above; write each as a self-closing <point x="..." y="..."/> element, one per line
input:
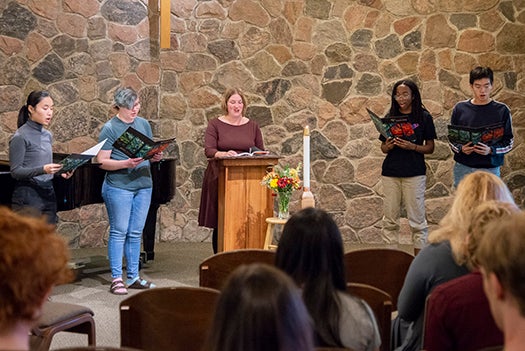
<point x="244" y="203"/>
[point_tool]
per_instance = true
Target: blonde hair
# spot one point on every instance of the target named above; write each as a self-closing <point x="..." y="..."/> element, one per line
<point x="473" y="190"/>
<point x="482" y="216"/>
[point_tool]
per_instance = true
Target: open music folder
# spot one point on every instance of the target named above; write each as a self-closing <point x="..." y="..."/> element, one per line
<point x="135" y="144"/>
<point x="393" y="126"/>
<point x="73" y="161"/>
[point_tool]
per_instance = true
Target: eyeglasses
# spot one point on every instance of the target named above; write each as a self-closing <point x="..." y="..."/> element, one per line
<point x="402" y="96"/>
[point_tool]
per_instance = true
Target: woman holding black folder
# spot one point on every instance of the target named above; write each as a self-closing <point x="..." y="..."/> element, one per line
<point x="126" y="192"/>
<point x="226" y="136"/>
<point x="31" y="159"/>
<point x="404" y="169"/>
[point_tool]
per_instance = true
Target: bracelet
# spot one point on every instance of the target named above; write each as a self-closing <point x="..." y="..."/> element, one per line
<point x="415" y="147"/>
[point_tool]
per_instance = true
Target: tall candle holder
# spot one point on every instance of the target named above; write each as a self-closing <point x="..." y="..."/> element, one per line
<point x="307" y="199"/>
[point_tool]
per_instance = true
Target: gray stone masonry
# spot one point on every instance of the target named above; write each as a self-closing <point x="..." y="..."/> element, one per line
<point x="301" y="62"/>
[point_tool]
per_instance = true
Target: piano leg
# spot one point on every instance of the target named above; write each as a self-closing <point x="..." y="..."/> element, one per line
<point x="148" y="233"/>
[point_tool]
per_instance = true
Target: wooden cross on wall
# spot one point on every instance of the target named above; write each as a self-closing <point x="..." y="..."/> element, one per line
<point x="165" y="25"/>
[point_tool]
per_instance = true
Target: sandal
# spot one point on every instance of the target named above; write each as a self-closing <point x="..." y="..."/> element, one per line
<point x="117" y="287"/>
<point x="141" y="284"/>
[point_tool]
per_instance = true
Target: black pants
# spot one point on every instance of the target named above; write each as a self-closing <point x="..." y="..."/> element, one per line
<point x="34" y="200"/>
<point x="148" y="233"/>
<point x="214" y="240"/>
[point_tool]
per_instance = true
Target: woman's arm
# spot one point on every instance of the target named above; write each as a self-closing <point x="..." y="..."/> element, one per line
<point x="426" y="148"/>
<point x="387" y="145"/>
<point x="17" y="154"/>
<point x="259" y="142"/>
<point x="108" y="164"/>
<point x="411" y="300"/>
<point x="211" y="143"/>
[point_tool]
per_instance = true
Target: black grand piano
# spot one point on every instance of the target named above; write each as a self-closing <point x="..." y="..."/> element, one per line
<point x="84" y="188"/>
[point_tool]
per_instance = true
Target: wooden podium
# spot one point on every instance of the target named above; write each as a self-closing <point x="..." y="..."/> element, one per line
<point x="244" y="203"/>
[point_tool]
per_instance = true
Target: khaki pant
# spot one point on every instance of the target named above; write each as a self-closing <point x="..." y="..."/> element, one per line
<point x="410" y="192"/>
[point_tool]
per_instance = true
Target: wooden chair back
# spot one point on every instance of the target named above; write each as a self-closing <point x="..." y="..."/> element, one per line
<point x="425" y="315"/>
<point x="214" y="270"/>
<point x="383" y="268"/>
<point x="381" y="304"/>
<point x="173" y="319"/>
<point x="62" y="317"/>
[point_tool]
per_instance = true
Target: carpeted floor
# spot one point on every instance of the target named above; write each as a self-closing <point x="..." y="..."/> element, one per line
<point x="175" y="264"/>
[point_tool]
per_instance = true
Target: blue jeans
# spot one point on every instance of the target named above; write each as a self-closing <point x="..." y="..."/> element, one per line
<point x="460" y="171"/>
<point x="127" y="212"/>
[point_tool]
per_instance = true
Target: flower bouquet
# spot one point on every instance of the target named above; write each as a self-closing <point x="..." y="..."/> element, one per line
<point x="282" y="182"/>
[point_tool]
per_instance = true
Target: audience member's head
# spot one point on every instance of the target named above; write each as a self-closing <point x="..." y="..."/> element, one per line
<point x="311" y="249"/>
<point x="311" y="252"/>
<point x="33" y="258"/>
<point x="482" y="216"/>
<point x="502" y="261"/>
<point x="474" y="189"/>
<point x="260" y="309"/>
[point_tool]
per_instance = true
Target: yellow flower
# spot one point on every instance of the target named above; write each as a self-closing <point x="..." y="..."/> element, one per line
<point x="282" y="179"/>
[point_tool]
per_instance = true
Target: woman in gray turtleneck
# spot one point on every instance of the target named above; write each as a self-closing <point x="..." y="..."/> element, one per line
<point x="31" y="159"/>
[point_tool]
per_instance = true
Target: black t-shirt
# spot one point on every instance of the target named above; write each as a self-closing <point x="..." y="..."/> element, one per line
<point x="402" y="163"/>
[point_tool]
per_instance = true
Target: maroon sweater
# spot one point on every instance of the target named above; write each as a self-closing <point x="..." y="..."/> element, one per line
<point x="222" y="136"/>
<point x="458" y="317"/>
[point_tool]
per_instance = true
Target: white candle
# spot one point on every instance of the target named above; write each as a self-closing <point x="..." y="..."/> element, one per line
<point x="306" y="159"/>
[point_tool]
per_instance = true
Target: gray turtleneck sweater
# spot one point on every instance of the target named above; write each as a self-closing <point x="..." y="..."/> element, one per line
<point x="29" y="150"/>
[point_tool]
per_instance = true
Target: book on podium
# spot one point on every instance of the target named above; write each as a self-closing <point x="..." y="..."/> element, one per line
<point x="253" y="151"/>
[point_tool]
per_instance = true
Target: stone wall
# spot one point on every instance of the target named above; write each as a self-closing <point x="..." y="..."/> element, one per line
<point x="315" y="62"/>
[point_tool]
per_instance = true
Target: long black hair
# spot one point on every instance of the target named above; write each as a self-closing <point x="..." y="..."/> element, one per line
<point x="33" y="99"/>
<point x="417" y="102"/>
<point x="260" y="309"/>
<point x="311" y="252"/>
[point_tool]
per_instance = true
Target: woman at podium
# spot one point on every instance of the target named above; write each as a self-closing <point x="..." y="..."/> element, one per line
<point x="226" y="136"/>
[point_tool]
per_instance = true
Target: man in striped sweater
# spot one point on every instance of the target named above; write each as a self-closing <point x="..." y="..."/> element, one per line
<point x="481" y="111"/>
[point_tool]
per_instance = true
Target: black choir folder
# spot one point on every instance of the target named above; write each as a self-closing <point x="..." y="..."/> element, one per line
<point x="488" y="135"/>
<point x="393" y="127"/>
<point x="135" y="144"/>
<point x="73" y="161"/>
